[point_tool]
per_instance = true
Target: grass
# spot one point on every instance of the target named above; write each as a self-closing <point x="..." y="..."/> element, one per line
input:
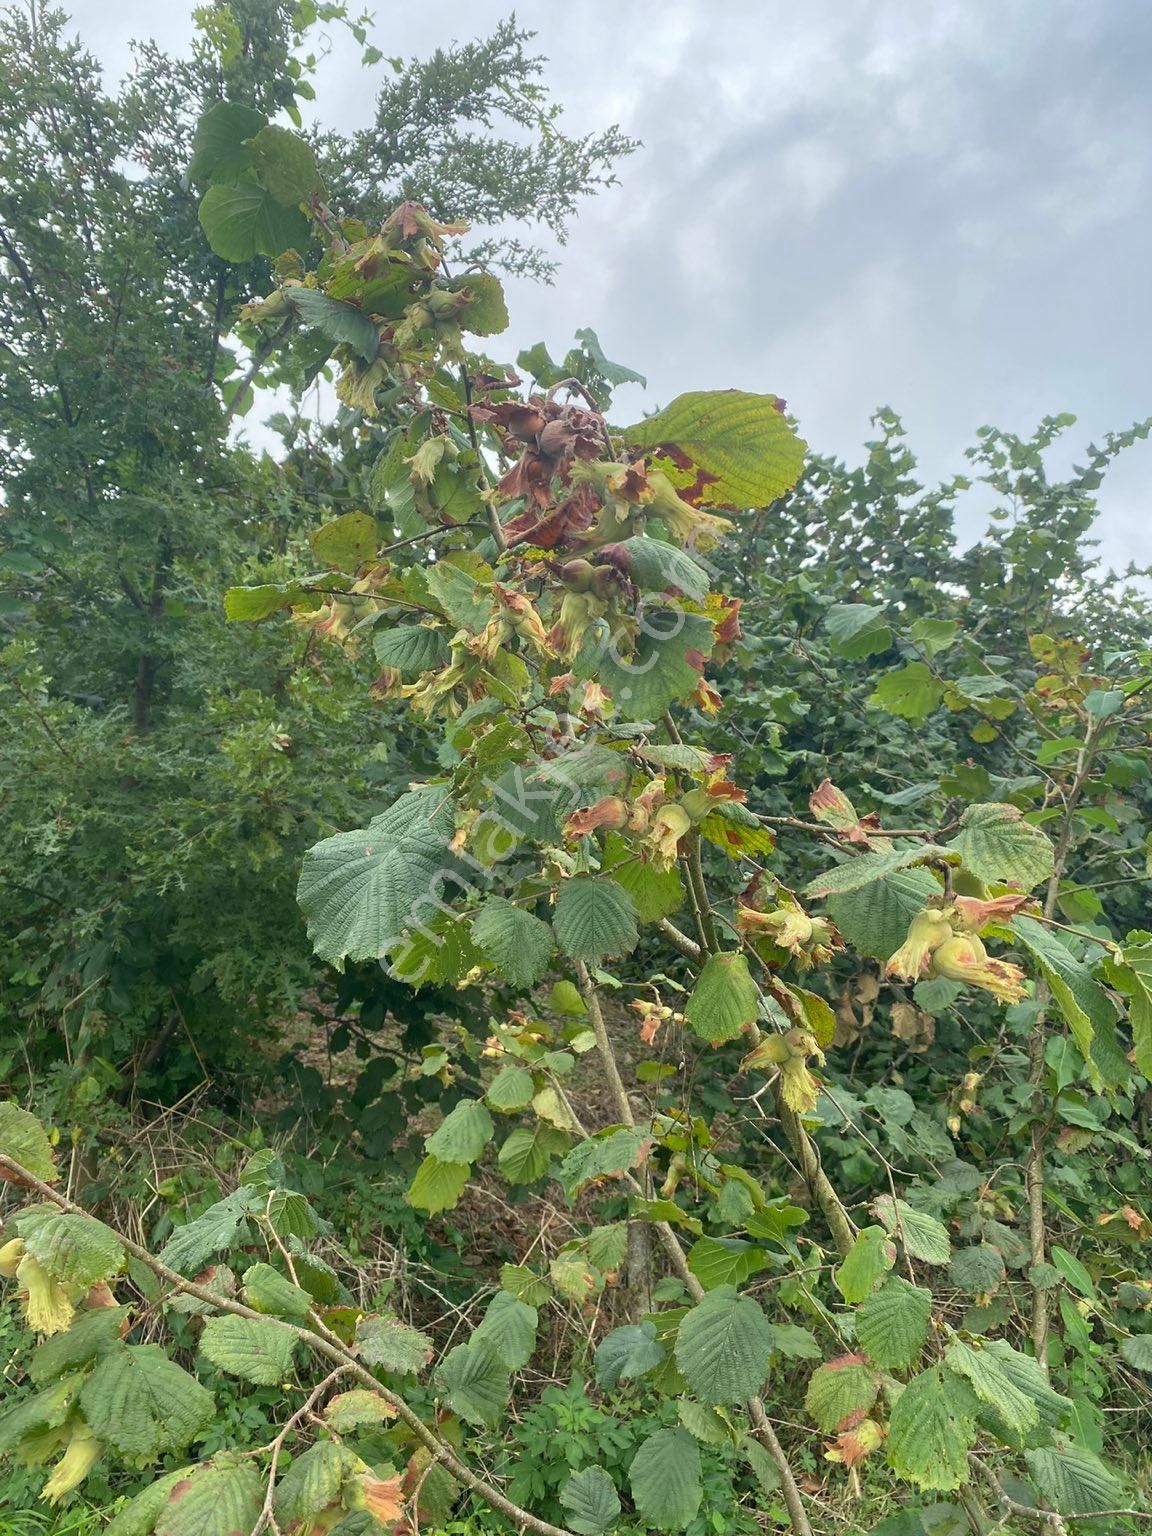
<point x="80" y="1520"/>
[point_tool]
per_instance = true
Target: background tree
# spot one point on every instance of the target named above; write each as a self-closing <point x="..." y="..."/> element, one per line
<point x="161" y="778"/>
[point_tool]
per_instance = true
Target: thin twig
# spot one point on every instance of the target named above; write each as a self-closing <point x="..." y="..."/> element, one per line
<point x="1054" y="1519"/>
<point x="429" y="533"/>
<point x="798" y="825"/>
<point x="266" y="1516"/>
<point x="260" y="357"/>
<point x="1037" y="1065"/>
<point x="694" y="869"/>
<point x="494" y="524"/>
<point x="696" y="874"/>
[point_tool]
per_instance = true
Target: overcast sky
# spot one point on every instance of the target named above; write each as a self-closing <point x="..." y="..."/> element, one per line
<point x="945" y="207"/>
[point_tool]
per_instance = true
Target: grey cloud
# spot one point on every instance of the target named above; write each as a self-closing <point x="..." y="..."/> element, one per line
<point x="943" y="208"/>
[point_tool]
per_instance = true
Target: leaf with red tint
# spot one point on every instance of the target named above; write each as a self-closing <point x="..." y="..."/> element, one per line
<point x="692" y="493"/>
<point x="576" y="513"/>
<point x="383" y="1498"/>
<point x="720" y="788"/>
<point x="653" y="1017"/>
<point x="976" y="914"/>
<point x="593" y="699"/>
<point x="856" y="1440"/>
<point x="706" y="698"/>
<point x="632" y="485"/>
<point x="530" y="477"/>
<point x="404" y="219"/>
<point x="696" y="493"/>
<point x="1127" y="1214"/>
<point x="832" y="807"/>
<point x="610" y="811"/>
<point x="727" y="626"/>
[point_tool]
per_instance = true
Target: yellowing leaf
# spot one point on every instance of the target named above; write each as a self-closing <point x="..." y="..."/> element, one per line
<point x="724" y="448"/>
<point x="25" y="1141"/>
<point x="839" y="1389"/>
<point x="438" y="1185"/>
<point x="346" y="542"/>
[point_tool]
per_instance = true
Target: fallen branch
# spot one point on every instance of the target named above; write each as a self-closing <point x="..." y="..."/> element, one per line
<point x="329" y="1346"/>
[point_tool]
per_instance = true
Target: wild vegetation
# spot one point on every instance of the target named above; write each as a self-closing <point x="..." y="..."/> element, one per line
<point x="557" y="976"/>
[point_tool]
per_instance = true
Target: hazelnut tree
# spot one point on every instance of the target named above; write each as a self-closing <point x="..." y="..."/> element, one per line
<point x="536" y="581"/>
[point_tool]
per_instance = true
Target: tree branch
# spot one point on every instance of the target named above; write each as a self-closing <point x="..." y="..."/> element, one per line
<point x="694" y="869"/>
<point x="330" y="1348"/>
<point x="494" y="524"/>
<point x="1037" y="1065"/>
<point x="678" y="940"/>
<point x="693" y="903"/>
<point x="823" y="1192"/>
<point x="261" y="356"/>
<point x="762" y="1427"/>
<point x="1053" y="1519"/>
<point x="603" y="1044"/>
<point x="703" y="905"/>
<point x="266" y="1516"/>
